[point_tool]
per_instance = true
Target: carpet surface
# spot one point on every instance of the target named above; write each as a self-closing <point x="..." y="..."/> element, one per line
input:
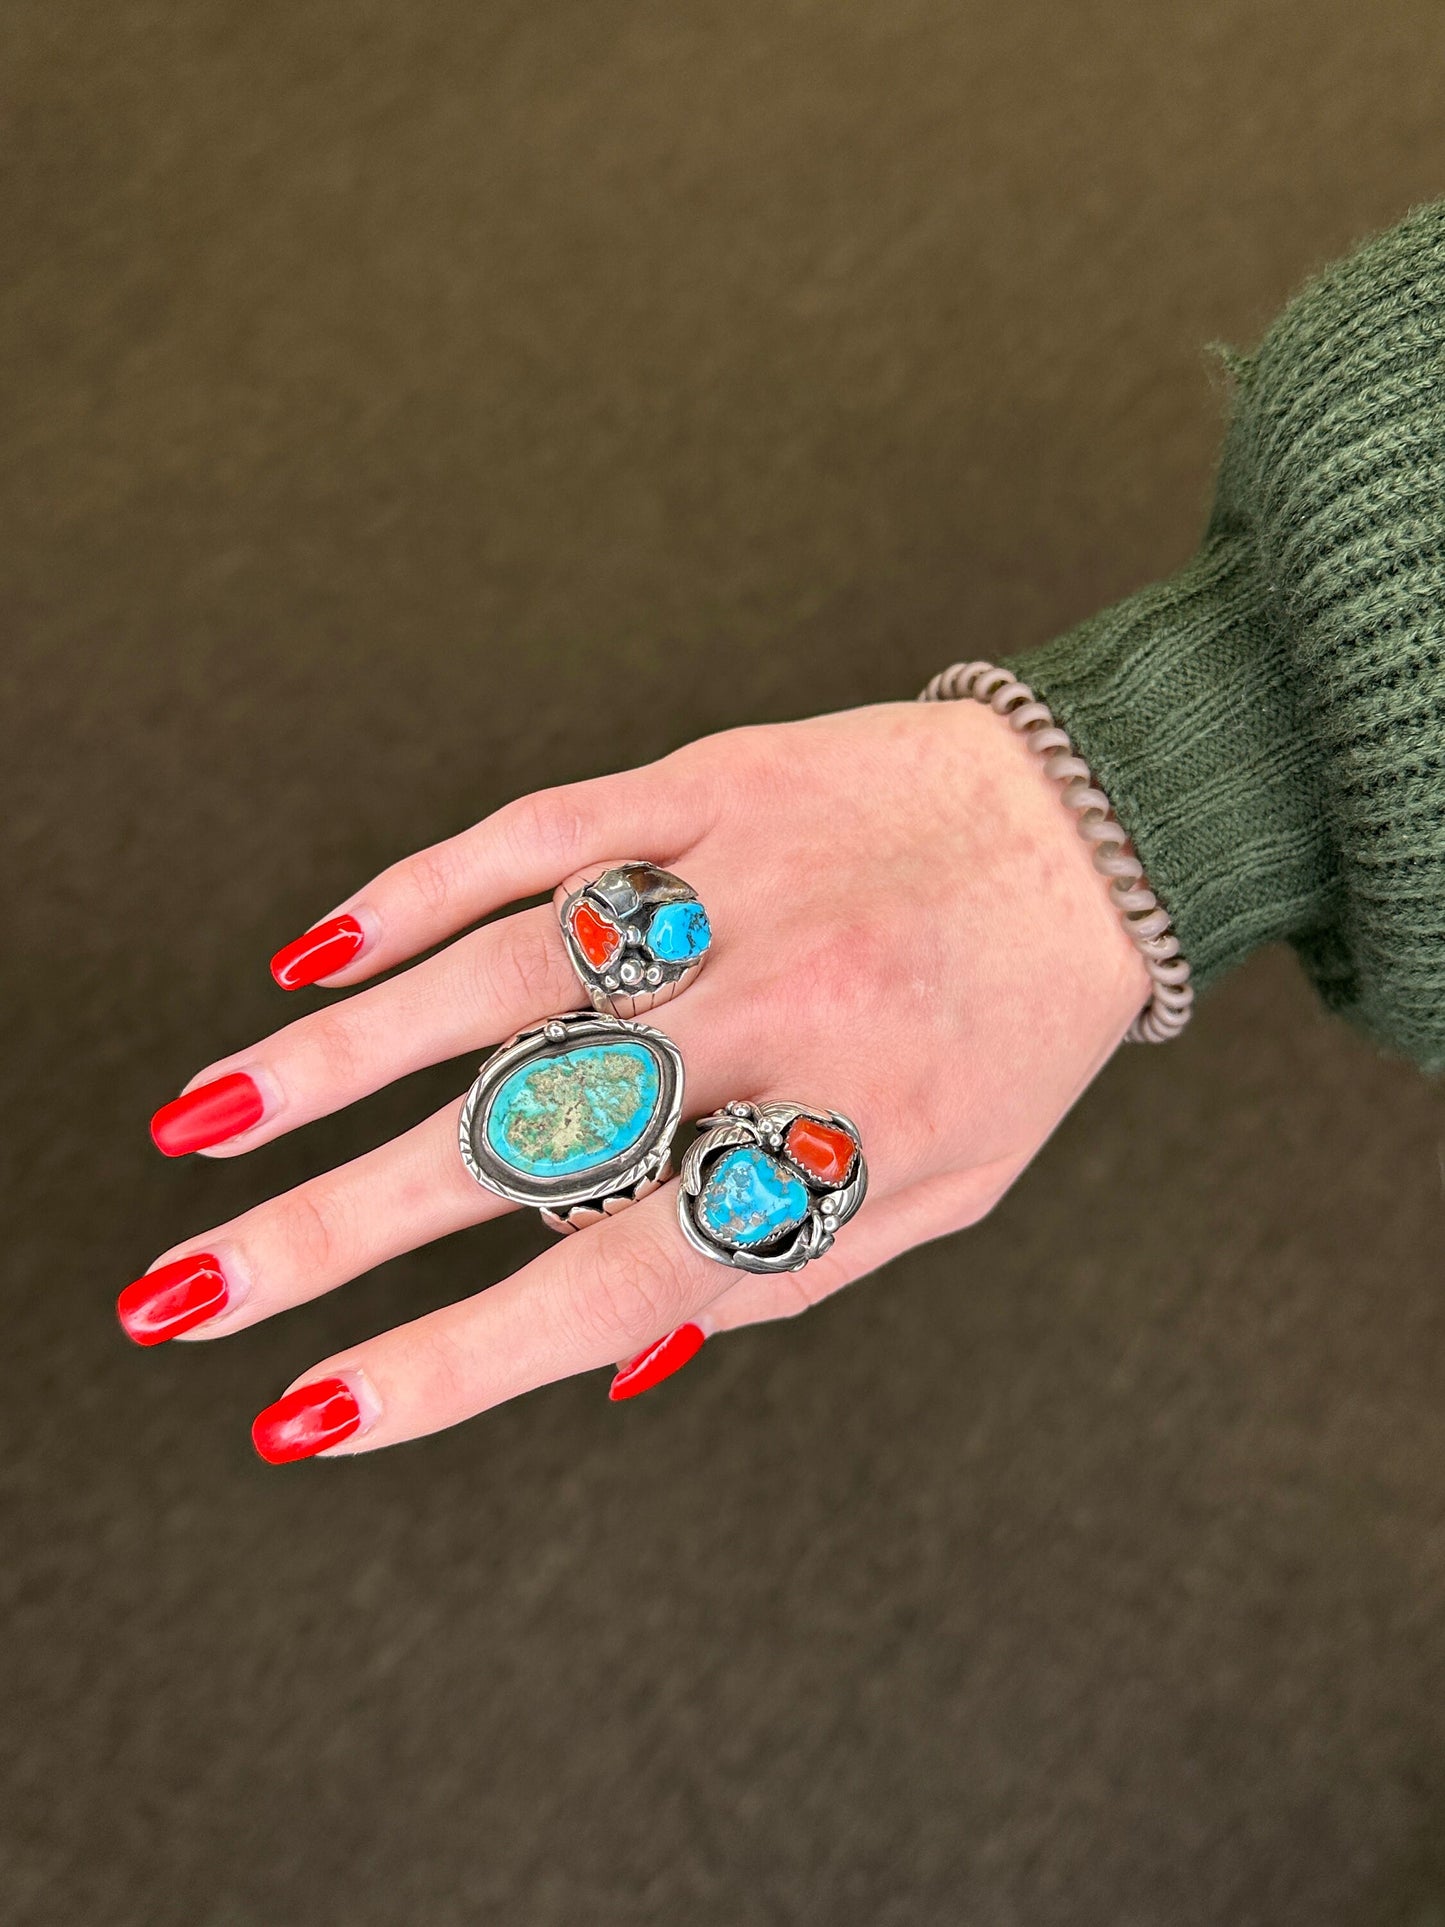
<point x="408" y="406"/>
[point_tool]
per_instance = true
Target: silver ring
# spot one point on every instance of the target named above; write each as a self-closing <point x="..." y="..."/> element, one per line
<point x="767" y="1185"/>
<point x="575" y="1116"/>
<point x="636" y="935"/>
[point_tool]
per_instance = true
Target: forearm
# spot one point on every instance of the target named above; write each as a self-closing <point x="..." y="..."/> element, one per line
<point x="1270" y="721"/>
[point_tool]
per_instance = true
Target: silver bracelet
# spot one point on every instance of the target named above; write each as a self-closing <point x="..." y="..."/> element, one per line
<point x="1172" y="1000"/>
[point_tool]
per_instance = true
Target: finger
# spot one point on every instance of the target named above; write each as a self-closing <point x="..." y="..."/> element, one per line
<point x="392" y="1199"/>
<point x="910" y="1218"/>
<point x="526" y="847"/>
<point x="755" y="1296"/>
<point x="313" y="1238"/>
<point x="478" y="991"/>
<point x="604" y="1294"/>
<point x="482" y="988"/>
<point x="933" y="1209"/>
<point x="582" y="1304"/>
<point x="913" y="1217"/>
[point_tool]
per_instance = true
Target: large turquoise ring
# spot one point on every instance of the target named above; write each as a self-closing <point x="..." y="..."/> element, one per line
<point x="575" y="1116"/>
<point x="766" y="1186"/>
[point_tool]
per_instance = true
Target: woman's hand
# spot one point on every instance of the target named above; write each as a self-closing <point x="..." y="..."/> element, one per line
<point x="907" y="929"/>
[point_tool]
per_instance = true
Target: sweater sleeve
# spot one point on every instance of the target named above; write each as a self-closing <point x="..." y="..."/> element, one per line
<point x="1270" y="721"/>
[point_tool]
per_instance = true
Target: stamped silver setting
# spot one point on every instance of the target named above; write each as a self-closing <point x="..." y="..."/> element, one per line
<point x="575" y="1117"/>
<point x="766" y="1186"/>
<point x="636" y="935"/>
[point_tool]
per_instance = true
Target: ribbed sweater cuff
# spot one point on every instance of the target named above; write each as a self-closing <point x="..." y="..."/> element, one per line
<point x="1180" y="700"/>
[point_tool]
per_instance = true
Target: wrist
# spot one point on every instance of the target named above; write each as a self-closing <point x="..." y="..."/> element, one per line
<point x="1150" y="970"/>
<point x="1181" y="701"/>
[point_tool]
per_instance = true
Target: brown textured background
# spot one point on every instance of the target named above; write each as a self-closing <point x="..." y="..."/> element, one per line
<point x="405" y="406"/>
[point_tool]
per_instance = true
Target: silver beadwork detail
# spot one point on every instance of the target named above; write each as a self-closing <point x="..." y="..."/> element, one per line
<point x="624" y="906"/>
<point x="1171" y="1003"/>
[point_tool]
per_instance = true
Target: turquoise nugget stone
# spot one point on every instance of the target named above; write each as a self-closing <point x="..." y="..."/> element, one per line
<point x="749" y="1197"/>
<point x="578" y="1108"/>
<point x="679" y="932"/>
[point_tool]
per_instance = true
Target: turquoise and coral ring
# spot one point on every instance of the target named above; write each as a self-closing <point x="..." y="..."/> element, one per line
<point x="575" y="1116"/>
<point x="766" y="1186"/>
<point x="636" y="935"/>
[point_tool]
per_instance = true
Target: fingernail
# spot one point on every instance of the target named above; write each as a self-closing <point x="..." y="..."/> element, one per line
<point x="172" y="1299"/>
<point x="207" y="1115"/>
<point x="306" y="1421"/>
<point x="317" y="953"/>
<point x="658" y="1362"/>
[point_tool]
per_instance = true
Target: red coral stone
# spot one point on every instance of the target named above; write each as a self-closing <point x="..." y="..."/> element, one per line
<point x="824" y="1152"/>
<point x="597" y="939"/>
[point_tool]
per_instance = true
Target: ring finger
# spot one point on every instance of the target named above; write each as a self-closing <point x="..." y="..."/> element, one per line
<point x="311" y="1239"/>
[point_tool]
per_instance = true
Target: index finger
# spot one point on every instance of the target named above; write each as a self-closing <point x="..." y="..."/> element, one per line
<point x="526" y="847"/>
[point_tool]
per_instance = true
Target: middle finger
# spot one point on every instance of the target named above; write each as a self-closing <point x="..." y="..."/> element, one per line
<point x="311" y="1239"/>
<point x="478" y="990"/>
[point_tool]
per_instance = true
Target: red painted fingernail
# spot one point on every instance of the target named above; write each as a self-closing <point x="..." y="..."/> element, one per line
<point x="207" y="1115"/>
<point x="317" y="953"/>
<point x="658" y="1362"/>
<point x="306" y="1421"/>
<point x="172" y="1299"/>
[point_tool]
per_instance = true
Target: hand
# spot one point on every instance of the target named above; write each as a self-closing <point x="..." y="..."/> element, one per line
<point x="907" y="929"/>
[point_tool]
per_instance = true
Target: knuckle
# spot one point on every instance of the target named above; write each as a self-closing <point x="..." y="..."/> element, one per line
<point x="777" y="760"/>
<point x="847" y="980"/>
<point x="726" y="753"/>
<point x="812" y="1290"/>
<point x="621" y="1301"/>
<point x="796" y="1294"/>
<point x="313" y="1234"/>
<point x="709" y="773"/>
<point x="551" y="824"/>
<point x="970" y="1196"/>
<point x="432" y="874"/>
<point x="445" y="1363"/>
<point x="526" y="972"/>
<point x="335" y="1044"/>
<point x="978" y="1207"/>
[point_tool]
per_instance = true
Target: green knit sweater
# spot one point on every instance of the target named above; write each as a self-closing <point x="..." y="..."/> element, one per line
<point x="1270" y="722"/>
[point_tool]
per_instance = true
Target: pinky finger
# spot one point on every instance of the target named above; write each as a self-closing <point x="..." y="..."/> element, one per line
<point x="925" y="1211"/>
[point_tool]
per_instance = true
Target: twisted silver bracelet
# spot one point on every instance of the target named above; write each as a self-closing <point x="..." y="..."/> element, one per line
<point x="1172" y="1000"/>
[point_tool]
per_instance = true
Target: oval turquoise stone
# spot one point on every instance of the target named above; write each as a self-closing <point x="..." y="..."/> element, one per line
<point x="578" y="1108"/>
<point x="679" y="932"/>
<point x="749" y="1197"/>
